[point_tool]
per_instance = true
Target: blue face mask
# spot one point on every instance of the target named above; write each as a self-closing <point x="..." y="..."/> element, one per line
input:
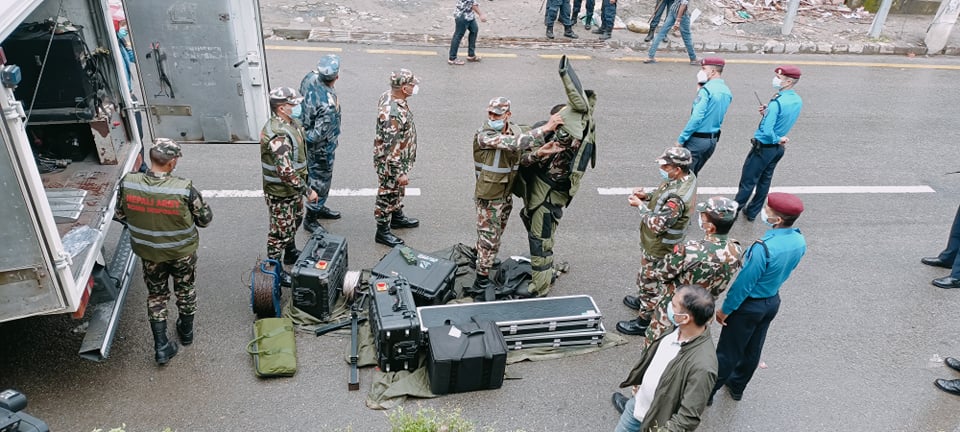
<point x="664" y="175"/>
<point x="122" y="33"/>
<point x="496" y="124"/>
<point x="670" y="315"/>
<point x="297" y="111"/>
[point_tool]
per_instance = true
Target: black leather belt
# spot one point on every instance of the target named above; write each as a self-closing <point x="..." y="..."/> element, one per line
<point x="760" y="144"/>
<point x="706" y="134"/>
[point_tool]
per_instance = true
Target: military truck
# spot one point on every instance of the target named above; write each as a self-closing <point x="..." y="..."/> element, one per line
<point x="76" y="112"/>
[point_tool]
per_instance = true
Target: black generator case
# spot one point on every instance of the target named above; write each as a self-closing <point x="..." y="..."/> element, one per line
<point x="318" y="274"/>
<point x="466" y="357"/>
<point x="394" y="324"/>
<point x="430" y="277"/>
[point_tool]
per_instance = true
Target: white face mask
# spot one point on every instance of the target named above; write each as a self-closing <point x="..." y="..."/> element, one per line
<point x="701" y="76"/>
<point x="764" y="216"/>
<point x="700" y="222"/>
<point x="416" y="89"/>
<point x="777" y="83"/>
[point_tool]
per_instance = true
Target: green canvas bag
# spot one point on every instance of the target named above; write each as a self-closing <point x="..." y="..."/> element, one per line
<point x="274" y="347"/>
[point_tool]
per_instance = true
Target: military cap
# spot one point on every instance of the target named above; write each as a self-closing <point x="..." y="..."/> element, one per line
<point x="788" y="71"/>
<point x="285" y="94"/>
<point x="785" y="204"/>
<point x="402" y="77"/>
<point x="675" y="156"/>
<point x="167" y="147"/>
<point x="499" y="105"/>
<point x="712" y="61"/>
<point x="329" y="66"/>
<point x="719" y="208"/>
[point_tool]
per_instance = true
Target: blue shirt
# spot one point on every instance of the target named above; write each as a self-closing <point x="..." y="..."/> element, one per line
<point x="762" y="274"/>
<point x="708" y="110"/>
<point x="782" y="113"/>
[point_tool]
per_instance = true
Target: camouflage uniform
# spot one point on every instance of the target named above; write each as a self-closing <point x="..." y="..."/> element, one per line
<point x="284" y="165"/>
<point x="394" y="147"/>
<point x="496" y="157"/>
<point x="321" y="122"/>
<point x="710" y="263"/>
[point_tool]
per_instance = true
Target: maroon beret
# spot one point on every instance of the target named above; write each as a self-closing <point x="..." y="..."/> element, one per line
<point x="785" y="204"/>
<point x="788" y="71"/>
<point x="712" y="61"/>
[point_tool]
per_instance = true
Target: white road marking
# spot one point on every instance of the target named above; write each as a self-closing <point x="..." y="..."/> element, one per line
<point x="228" y="193"/>
<point x="793" y="190"/>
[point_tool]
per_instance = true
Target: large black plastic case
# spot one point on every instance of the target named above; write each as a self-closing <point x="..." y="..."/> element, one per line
<point x="394" y="324"/>
<point x="430" y="277"/>
<point x="318" y="274"/>
<point x="520" y="317"/>
<point x="466" y="357"/>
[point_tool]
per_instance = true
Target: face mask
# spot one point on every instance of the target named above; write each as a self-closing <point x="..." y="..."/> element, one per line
<point x="764" y="216"/>
<point x="296" y="111"/>
<point x="777" y="83"/>
<point x="670" y="316"/>
<point x="122" y="33"/>
<point x="701" y="77"/>
<point x="664" y="175"/>
<point x="700" y="222"/>
<point x="416" y="89"/>
<point x="496" y="124"/>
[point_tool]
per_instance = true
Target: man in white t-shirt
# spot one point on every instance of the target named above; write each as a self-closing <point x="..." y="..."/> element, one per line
<point x="675" y="375"/>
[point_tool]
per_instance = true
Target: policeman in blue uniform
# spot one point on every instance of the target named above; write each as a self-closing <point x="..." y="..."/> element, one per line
<point x="321" y="122"/>
<point x="769" y="141"/>
<point x="702" y="131"/>
<point x="949" y="259"/>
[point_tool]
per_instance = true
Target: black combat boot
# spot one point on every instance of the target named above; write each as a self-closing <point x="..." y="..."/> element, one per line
<point x="185" y="329"/>
<point x="598" y="30"/>
<point x="483" y="288"/>
<point x="385" y="237"/>
<point x="311" y="222"/>
<point x="165" y="349"/>
<point x="290" y="254"/>
<point x="325" y="212"/>
<point x="399" y="220"/>
<point x="650" y="34"/>
<point x="568" y="32"/>
<point x="605" y="36"/>
<point x="549" y="31"/>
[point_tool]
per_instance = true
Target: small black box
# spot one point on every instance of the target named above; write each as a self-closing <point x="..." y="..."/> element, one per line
<point x="430" y="277"/>
<point x="318" y="274"/>
<point x="394" y="324"/>
<point x="466" y="357"/>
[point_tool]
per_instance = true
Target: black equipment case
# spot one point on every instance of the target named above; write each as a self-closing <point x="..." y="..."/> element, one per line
<point x="466" y="357"/>
<point x="318" y="274"/>
<point x="430" y="277"/>
<point x="394" y="324"/>
<point x="535" y="316"/>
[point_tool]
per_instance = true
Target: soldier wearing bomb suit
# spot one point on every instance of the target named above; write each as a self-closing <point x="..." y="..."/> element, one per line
<point x="394" y="152"/>
<point x="163" y="212"/>
<point x="321" y="124"/>
<point x="664" y="216"/>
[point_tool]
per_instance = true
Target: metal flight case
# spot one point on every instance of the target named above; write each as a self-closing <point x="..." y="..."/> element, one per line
<point x="318" y="274"/>
<point x="556" y="339"/>
<point x="394" y="324"/>
<point x="430" y="277"/>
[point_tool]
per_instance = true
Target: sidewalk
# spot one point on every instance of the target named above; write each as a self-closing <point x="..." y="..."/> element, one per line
<point x="818" y="29"/>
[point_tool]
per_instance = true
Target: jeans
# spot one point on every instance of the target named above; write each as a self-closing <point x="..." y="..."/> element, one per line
<point x="757" y="172"/>
<point x="684" y="33"/>
<point x="608" y="12"/>
<point x="555" y="7"/>
<point x="628" y="423"/>
<point x="663" y="7"/>
<point x="741" y="342"/>
<point x="463" y="26"/>
<point x="576" y="11"/>
<point x="950" y="255"/>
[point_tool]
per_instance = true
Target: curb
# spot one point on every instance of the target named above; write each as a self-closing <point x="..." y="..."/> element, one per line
<point x="768" y="47"/>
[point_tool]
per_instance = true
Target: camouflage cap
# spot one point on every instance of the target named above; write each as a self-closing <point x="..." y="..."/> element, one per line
<point x="167" y="147"/>
<point x="402" y="77"/>
<point x="329" y="66"/>
<point x="285" y="94"/>
<point x="499" y="105"/>
<point x="675" y="156"/>
<point x="719" y="208"/>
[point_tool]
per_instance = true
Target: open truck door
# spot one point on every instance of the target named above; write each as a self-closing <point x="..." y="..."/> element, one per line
<point x="201" y="68"/>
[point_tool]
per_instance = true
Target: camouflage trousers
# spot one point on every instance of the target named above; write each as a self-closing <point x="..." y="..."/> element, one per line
<point x="492" y="218"/>
<point x="285" y="216"/>
<point x="659" y="322"/>
<point x="320" y="158"/>
<point x="389" y="198"/>
<point x="156" y="275"/>
<point x="650" y="288"/>
<point x="543" y="209"/>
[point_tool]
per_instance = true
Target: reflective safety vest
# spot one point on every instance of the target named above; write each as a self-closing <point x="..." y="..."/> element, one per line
<point x="272" y="184"/>
<point x="158" y="215"/>
<point x="659" y="245"/>
<point x="495" y="169"/>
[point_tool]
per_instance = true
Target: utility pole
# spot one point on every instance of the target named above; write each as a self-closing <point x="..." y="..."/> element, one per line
<point x="791" y="15"/>
<point x="939" y="31"/>
<point x="880" y="19"/>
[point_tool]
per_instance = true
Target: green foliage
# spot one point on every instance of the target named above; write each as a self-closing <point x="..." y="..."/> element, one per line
<point x="431" y="420"/>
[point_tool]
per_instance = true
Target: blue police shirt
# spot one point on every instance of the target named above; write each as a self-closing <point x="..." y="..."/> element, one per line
<point x="782" y="113"/>
<point x="708" y="110"/>
<point x="762" y="275"/>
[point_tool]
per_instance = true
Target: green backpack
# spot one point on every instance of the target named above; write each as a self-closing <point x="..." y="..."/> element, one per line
<point x="274" y="347"/>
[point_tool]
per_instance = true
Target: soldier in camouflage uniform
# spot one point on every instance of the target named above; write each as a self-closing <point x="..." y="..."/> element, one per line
<point x="163" y="212"/>
<point x="497" y="146"/>
<point x="394" y="152"/>
<point x="283" y="160"/>
<point x="664" y="216"/>
<point x="321" y="122"/>
<point x="710" y="262"/>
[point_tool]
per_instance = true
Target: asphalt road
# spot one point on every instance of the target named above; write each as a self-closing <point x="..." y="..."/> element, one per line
<point x="851" y="349"/>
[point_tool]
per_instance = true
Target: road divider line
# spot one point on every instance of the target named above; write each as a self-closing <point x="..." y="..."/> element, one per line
<point x="569" y="56"/>
<point x="233" y="193"/>
<point x="401" y="52"/>
<point x="302" y="48"/>
<point x="800" y="190"/>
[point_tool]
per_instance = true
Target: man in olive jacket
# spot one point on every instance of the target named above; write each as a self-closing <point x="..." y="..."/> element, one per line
<point x="675" y="375"/>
